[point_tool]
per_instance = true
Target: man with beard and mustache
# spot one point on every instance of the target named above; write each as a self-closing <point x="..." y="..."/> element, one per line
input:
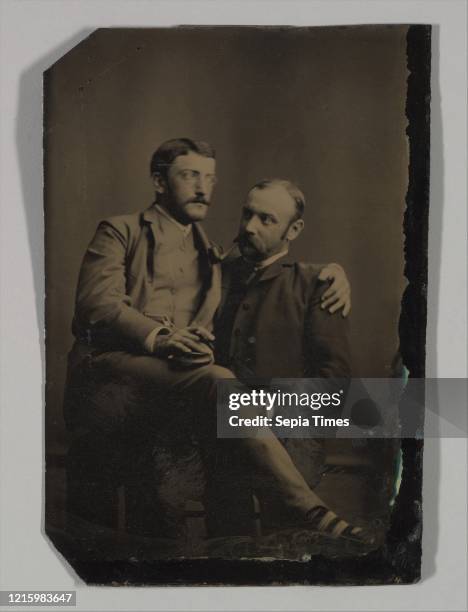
<point x="149" y="287"/>
<point x="270" y="323"/>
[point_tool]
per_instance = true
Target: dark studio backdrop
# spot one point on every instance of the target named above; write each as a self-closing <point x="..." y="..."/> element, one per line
<point x="324" y="107"/>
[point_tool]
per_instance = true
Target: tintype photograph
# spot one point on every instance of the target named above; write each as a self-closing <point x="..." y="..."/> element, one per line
<point x="233" y="204"/>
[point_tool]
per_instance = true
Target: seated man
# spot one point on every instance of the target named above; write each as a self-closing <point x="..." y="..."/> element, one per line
<point x="270" y="323"/>
<point x="149" y="286"/>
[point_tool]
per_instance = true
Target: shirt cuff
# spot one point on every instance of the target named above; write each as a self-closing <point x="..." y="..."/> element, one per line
<point x="151" y="337"/>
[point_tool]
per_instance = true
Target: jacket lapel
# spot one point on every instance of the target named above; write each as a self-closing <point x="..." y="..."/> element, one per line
<point x="210" y="267"/>
<point x="210" y="303"/>
<point x="230" y="267"/>
<point x="273" y="270"/>
<point x="151" y="215"/>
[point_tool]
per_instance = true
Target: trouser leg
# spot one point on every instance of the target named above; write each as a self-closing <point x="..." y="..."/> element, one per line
<point x="151" y="395"/>
<point x="199" y="385"/>
<point x="287" y="482"/>
<point x="228" y="497"/>
<point x="234" y="460"/>
<point x="92" y="469"/>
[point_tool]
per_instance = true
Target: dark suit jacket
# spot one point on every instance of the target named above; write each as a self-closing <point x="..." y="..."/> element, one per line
<point x="280" y="330"/>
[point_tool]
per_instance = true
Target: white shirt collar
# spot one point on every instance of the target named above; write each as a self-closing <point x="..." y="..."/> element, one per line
<point x="185" y="229"/>
<point x="270" y="260"/>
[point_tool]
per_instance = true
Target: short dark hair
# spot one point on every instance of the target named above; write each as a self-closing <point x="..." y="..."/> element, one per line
<point x="290" y="187"/>
<point x="164" y="156"/>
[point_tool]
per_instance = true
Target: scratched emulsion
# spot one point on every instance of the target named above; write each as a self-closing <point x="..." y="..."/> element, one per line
<point x="404" y="542"/>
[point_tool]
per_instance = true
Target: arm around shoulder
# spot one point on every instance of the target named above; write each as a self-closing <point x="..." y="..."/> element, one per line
<point x="326" y="337"/>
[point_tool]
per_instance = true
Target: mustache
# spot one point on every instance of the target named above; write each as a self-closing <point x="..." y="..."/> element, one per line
<point x="243" y="239"/>
<point x="198" y="200"/>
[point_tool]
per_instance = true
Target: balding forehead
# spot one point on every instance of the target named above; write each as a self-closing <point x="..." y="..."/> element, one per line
<point x="275" y="191"/>
<point x="274" y="200"/>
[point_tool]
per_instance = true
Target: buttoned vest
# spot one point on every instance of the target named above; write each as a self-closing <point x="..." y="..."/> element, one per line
<point x="177" y="285"/>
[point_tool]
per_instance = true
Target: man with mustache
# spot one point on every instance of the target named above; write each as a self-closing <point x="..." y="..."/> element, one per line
<point x="270" y="323"/>
<point x="148" y="290"/>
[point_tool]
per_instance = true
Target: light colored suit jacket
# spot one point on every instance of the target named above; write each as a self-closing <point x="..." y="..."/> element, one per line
<point x="116" y="281"/>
